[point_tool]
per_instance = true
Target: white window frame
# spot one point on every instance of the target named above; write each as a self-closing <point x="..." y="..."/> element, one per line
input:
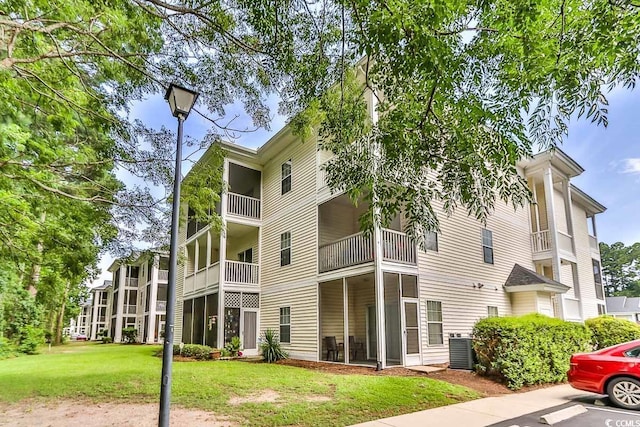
<point x="492" y="311"/>
<point x="284" y="240"/>
<point x="286" y="178"/>
<point x="487" y="243"/>
<point x="281" y="323"/>
<point x="434" y="322"/>
<point x="242" y="255"/>
<point x="431" y="241"/>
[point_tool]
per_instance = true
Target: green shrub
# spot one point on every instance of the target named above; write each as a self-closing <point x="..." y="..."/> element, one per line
<point x="129" y="335"/>
<point x="106" y="339"/>
<point x="32" y="338"/>
<point x="196" y="351"/>
<point x="531" y="349"/>
<point x="234" y="347"/>
<point x="270" y="347"/>
<point x="607" y="331"/>
<point x="6" y="349"/>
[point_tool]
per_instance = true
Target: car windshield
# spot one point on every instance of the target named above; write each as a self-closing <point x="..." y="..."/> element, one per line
<point x="634" y="352"/>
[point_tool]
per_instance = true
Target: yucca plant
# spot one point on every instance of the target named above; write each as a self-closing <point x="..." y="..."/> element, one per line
<point x="270" y="347"/>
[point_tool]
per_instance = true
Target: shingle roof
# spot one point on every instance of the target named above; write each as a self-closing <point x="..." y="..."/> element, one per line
<point x="623" y="305"/>
<point x="521" y="276"/>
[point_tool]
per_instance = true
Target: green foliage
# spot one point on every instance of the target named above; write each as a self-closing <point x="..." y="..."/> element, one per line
<point x="607" y="331"/>
<point x="621" y="269"/>
<point x="234" y="346"/>
<point x="195" y="351"/>
<point x="106" y="339"/>
<point x="6" y="349"/>
<point x="531" y="349"/>
<point x="129" y="335"/>
<point x="32" y="338"/>
<point x="270" y="347"/>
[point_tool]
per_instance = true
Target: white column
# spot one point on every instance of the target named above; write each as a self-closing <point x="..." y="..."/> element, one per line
<point x="94" y="314"/>
<point x="223" y="252"/>
<point x="553" y="233"/>
<point x="122" y="272"/>
<point x="536" y="206"/>
<point x="568" y="209"/>
<point x="153" y="298"/>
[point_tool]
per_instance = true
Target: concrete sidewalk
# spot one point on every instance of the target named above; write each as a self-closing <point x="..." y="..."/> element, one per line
<point x="484" y="412"/>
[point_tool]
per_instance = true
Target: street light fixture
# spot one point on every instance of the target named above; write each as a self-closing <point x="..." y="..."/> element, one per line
<point x="181" y="100"/>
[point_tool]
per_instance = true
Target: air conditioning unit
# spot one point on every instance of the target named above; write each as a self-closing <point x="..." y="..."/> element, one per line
<point x="461" y="355"/>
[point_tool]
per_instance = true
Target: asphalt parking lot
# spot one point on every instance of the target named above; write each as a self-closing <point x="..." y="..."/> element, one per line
<point x="600" y="413"/>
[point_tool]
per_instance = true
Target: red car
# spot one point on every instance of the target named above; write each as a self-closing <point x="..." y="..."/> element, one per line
<point x="613" y="370"/>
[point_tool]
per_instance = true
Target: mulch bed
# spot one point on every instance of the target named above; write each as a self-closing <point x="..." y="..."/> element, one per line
<point x="484" y="385"/>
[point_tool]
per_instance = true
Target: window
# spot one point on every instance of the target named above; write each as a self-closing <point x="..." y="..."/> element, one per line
<point x="246" y="256"/>
<point x="286" y="177"/>
<point x="285" y="249"/>
<point x="434" y="322"/>
<point x="597" y="278"/>
<point x="487" y="246"/>
<point x="431" y="241"/>
<point x="634" y="352"/>
<point x="285" y="324"/>
<point x="601" y="309"/>
<point x="492" y="311"/>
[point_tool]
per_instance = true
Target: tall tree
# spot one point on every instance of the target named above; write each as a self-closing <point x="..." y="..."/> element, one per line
<point x="621" y="269"/>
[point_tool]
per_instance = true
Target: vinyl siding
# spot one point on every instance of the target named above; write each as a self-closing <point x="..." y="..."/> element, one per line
<point x="586" y="281"/>
<point x="295" y="212"/>
<point x="524" y="303"/>
<point x="545" y="303"/>
<point x="449" y="274"/>
<point x="303" y="300"/>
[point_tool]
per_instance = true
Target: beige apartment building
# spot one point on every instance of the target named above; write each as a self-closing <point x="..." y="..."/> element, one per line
<point x="292" y="258"/>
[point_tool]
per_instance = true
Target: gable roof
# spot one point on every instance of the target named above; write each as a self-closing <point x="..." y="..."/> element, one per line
<point x="522" y="279"/>
<point x="623" y="304"/>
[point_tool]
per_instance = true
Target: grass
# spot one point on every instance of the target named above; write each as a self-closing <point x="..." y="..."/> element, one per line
<point x="129" y="374"/>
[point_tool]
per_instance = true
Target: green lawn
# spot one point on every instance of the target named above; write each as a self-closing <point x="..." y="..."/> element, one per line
<point x="114" y="372"/>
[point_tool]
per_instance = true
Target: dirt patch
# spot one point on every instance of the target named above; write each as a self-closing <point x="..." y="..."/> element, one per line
<point x="266" y="396"/>
<point x="85" y="414"/>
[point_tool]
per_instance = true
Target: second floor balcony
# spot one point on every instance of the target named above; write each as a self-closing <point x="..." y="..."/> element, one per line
<point x="244" y="206"/>
<point x="235" y="272"/>
<point x="359" y="249"/>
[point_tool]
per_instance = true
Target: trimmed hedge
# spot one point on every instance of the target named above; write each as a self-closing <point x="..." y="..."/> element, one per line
<point x="607" y="331"/>
<point x="196" y="351"/>
<point x="531" y="349"/>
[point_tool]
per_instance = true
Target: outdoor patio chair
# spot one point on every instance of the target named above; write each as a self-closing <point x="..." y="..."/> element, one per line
<point x="355" y="347"/>
<point x="332" y="348"/>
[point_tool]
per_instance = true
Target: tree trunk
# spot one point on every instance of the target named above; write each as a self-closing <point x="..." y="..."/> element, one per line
<point x="34" y="278"/>
<point x="60" y="316"/>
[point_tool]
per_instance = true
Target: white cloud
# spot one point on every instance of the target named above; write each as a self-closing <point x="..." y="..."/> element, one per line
<point x="631" y="165"/>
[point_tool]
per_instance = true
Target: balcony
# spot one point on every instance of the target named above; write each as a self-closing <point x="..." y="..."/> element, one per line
<point x="201" y="279"/>
<point x="358" y="249"/>
<point x="541" y="241"/>
<point x="244" y="206"/>
<point x="163" y="275"/>
<point x="241" y="273"/>
<point x="132" y="282"/>
<point x="161" y="306"/>
<point x="130" y="309"/>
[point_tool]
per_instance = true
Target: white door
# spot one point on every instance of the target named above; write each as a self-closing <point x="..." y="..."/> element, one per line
<point x="411" y="332"/>
<point x="160" y="336"/>
<point x="249" y="331"/>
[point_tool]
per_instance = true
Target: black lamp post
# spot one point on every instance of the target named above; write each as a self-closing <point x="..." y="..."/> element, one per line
<point x="181" y="100"/>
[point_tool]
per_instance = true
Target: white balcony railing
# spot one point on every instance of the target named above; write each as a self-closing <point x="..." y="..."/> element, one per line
<point x="163" y="275"/>
<point x="357" y="249"/>
<point x="130" y="309"/>
<point x="351" y="250"/>
<point x="201" y="279"/>
<point x="322" y="177"/>
<point x="398" y="247"/>
<point x="572" y="309"/>
<point x="161" y="306"/>
<point x="242" y="273"/>
<point x="565" y="242"/>
<point x="245" y="206"/>
<point x="541" y="241"/>
<point x="593" y="244"/>
<point x="133" y="282"/>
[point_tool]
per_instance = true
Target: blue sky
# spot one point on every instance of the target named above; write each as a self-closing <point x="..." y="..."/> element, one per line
<point x="610" y="157"/>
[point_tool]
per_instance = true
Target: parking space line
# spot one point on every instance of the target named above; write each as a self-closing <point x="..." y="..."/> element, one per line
<point x="617" y="411"/>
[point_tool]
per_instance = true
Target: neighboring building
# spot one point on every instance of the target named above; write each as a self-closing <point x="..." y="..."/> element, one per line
<point x="99" y="309"/>
<point x="81" y="325"/>
<point x="138" y="297"/>
<point x="624" y="308"/>
<point x="292" y="259"/>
